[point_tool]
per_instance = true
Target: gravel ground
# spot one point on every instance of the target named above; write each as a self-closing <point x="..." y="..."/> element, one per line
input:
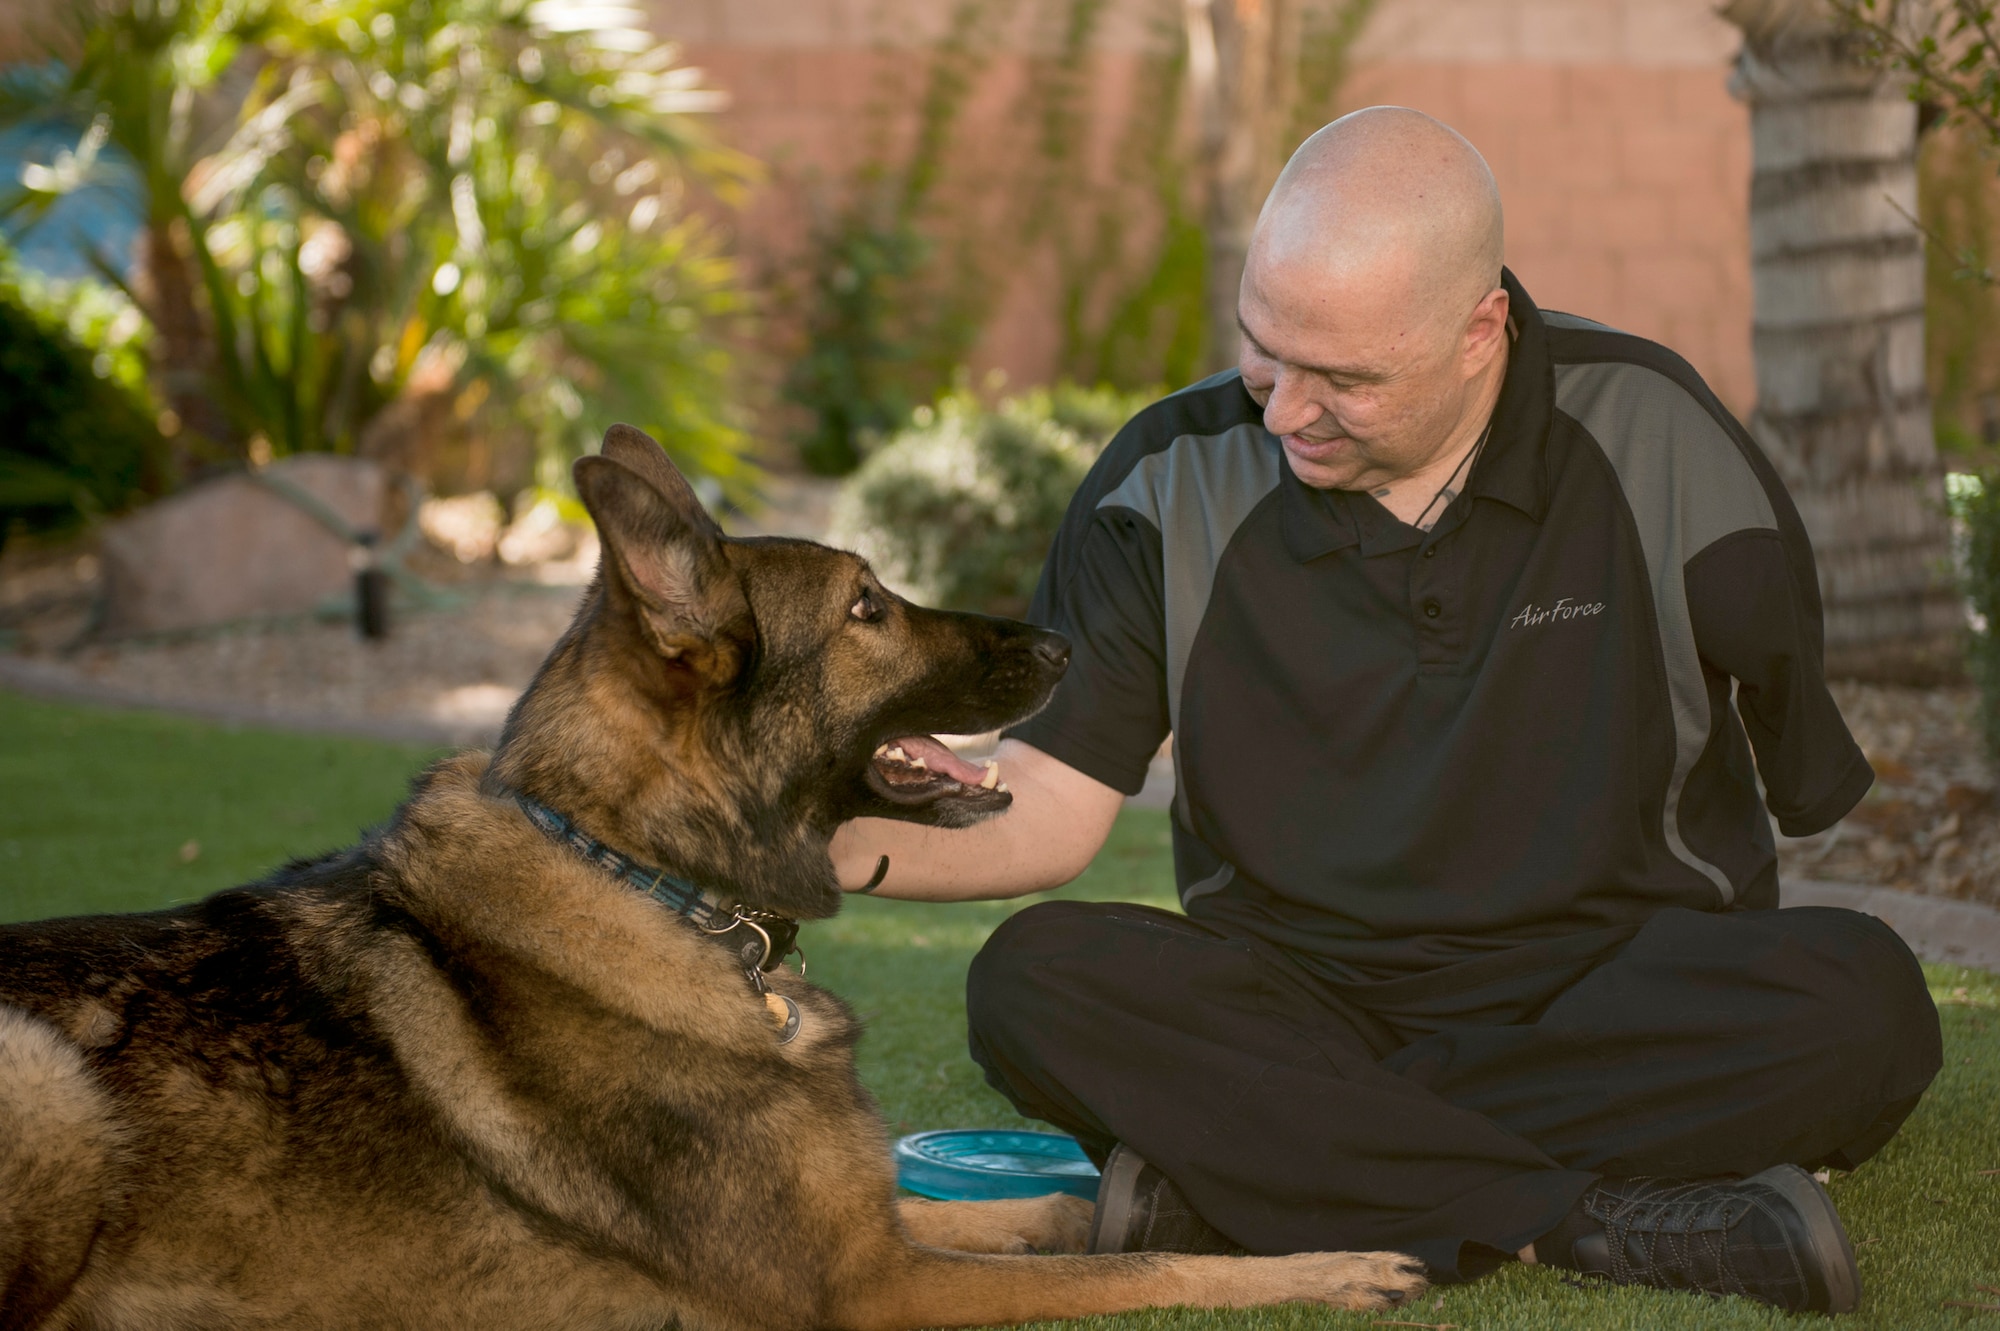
<point x="451" y="673"/>
<point x="447" y="672"/>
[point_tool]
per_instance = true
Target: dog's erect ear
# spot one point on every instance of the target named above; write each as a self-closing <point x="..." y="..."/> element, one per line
<point x="666" y="552"/>
<point x="637" y="450"/>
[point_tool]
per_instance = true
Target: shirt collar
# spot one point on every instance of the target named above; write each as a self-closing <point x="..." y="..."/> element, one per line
<point x="1511" y="468"/>
<point x="1316" y="522"/>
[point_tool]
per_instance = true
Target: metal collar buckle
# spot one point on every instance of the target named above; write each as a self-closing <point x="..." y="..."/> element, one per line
<point x="765" y="954"/>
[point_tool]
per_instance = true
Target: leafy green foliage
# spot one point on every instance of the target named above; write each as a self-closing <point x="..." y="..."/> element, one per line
<point x="1949" y="50"/>
<point x="1136" y="298"/>
<point x="1961" y="302"/>
<point x="903" y="274"/>
<point x="478" y="201"/>
<point x="884" y="324"/>
<point x="78" y="438"/>
<point x="1131" y="255"/>
<point x="1156" y="325"/>
<point x="144" y="81"/>
<point x="853" y="378"/>
<point x="959" y="508"/>
<point x="1975" y="503"/>
<point x="499" y="182"/>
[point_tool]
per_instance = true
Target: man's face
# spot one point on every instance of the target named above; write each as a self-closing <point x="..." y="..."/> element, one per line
<point x="1362" y="386"/>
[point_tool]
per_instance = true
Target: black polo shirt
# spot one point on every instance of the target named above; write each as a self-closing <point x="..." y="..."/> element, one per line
<point x="1423" y="762"/>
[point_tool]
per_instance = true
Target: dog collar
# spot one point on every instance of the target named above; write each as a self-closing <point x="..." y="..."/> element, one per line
<point x="761" y="939"/>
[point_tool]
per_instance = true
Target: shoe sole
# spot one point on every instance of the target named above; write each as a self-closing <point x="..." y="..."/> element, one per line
<point x="1110" y="1225"/>
<point x="1833" y="1254"/>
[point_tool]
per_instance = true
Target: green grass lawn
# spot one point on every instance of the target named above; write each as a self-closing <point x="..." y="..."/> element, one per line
<point x="97" y="807"/>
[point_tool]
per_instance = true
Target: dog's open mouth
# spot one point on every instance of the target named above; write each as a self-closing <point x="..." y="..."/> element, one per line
<point x="917" y="769"/>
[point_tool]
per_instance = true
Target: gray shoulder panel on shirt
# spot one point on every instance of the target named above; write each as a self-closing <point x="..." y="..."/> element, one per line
<point x="1576" y="322"/>
<point x="1196" y="492"/>
<point x="1688" y="485"/>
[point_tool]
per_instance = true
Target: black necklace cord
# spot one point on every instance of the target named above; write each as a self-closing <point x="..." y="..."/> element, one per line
<point x="1445" y="492"/>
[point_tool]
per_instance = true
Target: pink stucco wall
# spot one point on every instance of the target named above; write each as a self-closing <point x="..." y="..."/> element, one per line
<point x="1627" y="193"/>
<point x="1622" y="159"/>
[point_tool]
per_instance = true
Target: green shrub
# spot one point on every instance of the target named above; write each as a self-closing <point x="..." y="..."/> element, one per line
<point x="959" y="508"/>
<point x="852" y="378"/>
<point x="1975" y="508"/>
<point x="76" y="438"/>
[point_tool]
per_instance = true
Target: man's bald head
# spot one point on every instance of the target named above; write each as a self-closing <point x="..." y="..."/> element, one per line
<point x="1390" y="197"/>
<point x="1374" y="320"/>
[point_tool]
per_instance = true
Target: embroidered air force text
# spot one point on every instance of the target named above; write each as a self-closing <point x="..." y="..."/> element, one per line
<point x="1562" y="609"/>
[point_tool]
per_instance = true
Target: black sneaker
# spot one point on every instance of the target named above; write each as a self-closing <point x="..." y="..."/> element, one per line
<point x="1140" y="1210"/>
<point x="1773" y="1237"/>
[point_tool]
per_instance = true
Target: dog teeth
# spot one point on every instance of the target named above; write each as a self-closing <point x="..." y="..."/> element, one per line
<point x="992" y="776"/>
<point x="898" y="754"/>
<point x="882" y="750"/>
<point x="920" y="764"/>
<point x="1002" y="788"/>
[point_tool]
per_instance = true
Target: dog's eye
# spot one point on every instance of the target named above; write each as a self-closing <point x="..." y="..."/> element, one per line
<point x="864" y="607"/>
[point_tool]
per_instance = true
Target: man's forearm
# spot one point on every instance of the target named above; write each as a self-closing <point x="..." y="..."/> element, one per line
<point x="1057" y="822"/>
<point x="938" y="864"/>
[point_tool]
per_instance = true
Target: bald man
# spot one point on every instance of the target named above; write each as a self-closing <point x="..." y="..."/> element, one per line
<point x="1476" y="627"/>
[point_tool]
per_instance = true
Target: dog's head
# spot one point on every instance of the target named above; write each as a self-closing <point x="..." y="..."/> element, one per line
<point x="721" y="705"/>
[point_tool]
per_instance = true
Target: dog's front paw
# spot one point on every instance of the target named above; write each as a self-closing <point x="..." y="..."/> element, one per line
<point x="1061" y="1223"/>
<point x="1359" y="1280"/>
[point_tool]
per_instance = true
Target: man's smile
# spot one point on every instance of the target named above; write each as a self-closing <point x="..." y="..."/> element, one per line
<point x="1316" y="450"/>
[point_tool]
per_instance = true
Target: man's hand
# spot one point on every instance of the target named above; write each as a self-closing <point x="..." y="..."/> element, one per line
<point x="1058" y="821"/>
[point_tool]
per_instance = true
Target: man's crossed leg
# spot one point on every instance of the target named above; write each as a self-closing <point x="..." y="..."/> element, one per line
<point x="1291" y="1118"/>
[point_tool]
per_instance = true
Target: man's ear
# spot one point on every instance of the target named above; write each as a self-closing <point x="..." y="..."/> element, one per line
<point x="667" y="555"/>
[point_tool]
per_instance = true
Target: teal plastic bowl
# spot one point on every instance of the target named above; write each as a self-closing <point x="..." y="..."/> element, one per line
<point x="964" y="1165"/>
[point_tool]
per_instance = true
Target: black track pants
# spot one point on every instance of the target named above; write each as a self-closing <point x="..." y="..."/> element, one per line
<point x="1294" y="1121"/>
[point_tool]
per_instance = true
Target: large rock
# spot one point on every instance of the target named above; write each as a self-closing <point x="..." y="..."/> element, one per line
<point x="233" y="548"/>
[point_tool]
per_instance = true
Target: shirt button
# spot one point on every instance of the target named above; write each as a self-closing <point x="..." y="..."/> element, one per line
<point x="1432" y="609"/>
<point x="1430" y="550"/>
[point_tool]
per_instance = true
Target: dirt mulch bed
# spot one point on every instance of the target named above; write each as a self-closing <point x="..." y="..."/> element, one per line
<point x="1931" y="824"/>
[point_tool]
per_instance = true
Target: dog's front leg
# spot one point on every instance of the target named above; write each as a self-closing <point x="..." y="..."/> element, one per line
<point x="1055" y="1223"/>
<point x="924" y="1287"/>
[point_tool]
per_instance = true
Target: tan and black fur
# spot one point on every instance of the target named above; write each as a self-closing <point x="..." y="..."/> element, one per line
<point x="459" y="1076"/>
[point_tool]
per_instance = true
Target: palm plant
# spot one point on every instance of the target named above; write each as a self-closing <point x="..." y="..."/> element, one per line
<point x="471" y="201"/>
<point x="141" y="74"/>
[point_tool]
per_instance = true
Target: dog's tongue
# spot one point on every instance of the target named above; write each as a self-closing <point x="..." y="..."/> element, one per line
<point x="938" y="758"/>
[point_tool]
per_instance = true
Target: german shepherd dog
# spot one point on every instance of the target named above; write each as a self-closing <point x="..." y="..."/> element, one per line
<point x="524" y="1057"/>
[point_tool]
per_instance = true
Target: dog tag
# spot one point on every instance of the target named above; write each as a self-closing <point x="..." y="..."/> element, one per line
<point x="784" y="1015"/>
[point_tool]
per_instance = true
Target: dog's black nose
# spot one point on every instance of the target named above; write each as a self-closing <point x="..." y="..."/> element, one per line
<point x="1054" y="648"/>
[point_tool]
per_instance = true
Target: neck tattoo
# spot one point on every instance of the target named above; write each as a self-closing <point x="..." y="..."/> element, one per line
<point x="1441" y="500"/>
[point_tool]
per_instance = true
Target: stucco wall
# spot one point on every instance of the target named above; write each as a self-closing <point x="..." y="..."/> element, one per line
<point x="1622" y="159"/>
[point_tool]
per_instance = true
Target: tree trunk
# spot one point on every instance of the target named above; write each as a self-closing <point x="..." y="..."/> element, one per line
<point x="1838" y="272"/>
<point x="184" y="358"/>
<point x="1243" y="80"/>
